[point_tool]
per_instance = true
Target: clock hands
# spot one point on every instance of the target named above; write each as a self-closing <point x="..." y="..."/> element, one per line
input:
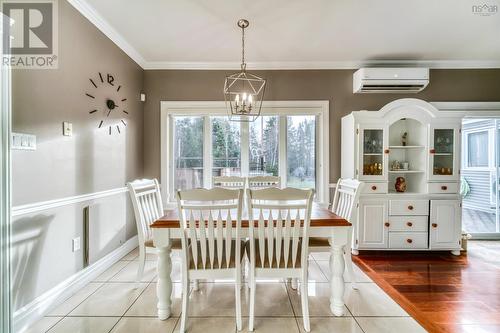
<point x="109" y="103"/>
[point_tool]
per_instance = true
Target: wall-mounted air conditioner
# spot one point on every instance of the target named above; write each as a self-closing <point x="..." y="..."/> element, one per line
<point x="390" y="80"/>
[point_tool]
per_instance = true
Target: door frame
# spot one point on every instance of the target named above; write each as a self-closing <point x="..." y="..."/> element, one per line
<point x="5" y="195"/>
<point x="482" y="110"/>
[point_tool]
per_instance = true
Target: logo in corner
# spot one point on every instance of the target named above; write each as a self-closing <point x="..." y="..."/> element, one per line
<point x="30" y="34"/>
<point x="484" y="9"/>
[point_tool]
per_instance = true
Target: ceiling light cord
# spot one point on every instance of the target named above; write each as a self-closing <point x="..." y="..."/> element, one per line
<point x="243" y="64"/>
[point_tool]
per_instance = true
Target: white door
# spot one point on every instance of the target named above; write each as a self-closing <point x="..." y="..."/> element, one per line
<point x="445" y="223"/>
<point x="373" y="152"/>
<point x="373" y="227"/>
<point x="444" y="152"/>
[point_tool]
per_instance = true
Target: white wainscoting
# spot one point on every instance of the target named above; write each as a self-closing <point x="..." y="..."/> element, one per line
<point x="36" y="309"/>
<point x="48" y="290"/>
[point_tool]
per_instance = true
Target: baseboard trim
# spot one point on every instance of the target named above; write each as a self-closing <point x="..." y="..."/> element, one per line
<point x="44" y="205"/>
<point x="40" y="306"/>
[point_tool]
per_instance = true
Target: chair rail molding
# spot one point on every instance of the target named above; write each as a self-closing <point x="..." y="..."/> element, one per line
<point x="44" y="205"/>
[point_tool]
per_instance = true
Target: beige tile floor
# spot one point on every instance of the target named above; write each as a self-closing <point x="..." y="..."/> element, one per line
<point x="113" y="302"/>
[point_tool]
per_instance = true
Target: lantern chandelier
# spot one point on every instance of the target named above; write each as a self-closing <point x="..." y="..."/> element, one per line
<point x="243" y="91"/>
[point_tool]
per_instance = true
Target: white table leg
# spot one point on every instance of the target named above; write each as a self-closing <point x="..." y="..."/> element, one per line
<point x="164" y="285"/>
<point x="337" y="280"/>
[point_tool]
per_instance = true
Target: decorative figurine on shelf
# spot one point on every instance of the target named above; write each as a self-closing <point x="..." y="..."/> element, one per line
<point x="395" y="165"/>
<point x="400" y="184"/>
<point x="404" y="139"/>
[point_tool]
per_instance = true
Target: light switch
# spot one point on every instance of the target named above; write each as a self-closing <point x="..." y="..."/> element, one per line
<point x="23" y="141"/>
<point x="76" y="244"/>
<point x="67" y="128"/>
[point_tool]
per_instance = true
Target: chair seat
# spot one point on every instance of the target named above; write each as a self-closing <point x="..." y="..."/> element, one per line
<point x="258" y="261"/>
<point x="319" y="242"/>
<point x="176" y="244"/>
<point x="208" y="265"/>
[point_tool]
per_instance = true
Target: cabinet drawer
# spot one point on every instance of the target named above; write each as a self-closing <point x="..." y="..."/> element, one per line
<point x="408" y="223"/>
<point x="409" y="207"/>
<point x="375" y="188"/>
<point x="442" y="187"/>
<point x="408" y="240"/>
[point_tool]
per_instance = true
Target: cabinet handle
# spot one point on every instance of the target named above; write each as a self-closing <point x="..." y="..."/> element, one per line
<point x="434" y="225"/>
<point x="386" y="151"/>
<point x="410" y="207"/>
<point x="409" y="241"/>
<point x="432" y="151"/>
<point x="387" y="224"/>
<point x="409" y="224"/>
<point x="444" y="188"/>
<point x="374" y="187"/>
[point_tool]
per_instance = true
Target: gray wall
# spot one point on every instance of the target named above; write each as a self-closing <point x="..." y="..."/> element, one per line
<point x="332" y="85"/>
<point x="61" y="167"/>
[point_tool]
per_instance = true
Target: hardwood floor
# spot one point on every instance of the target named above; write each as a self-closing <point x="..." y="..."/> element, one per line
<point x="444" y="293"/>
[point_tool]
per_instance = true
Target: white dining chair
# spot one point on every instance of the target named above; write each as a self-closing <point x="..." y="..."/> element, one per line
<point x="259" y="182"/>
<point x="148" y="207"/>
<point x="279" y="249"/>
<point x="229" y="182"/>
<point x="344" y="204"/>
<point x="212" y="247"/>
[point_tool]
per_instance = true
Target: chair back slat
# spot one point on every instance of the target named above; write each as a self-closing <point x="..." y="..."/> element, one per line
<point x="210" y="237"/>
<point x="346" y="196"/>
<point x="146" y="200"/>
<point x="260" y="182"/>
<point x="288" y="213"/>
<point x="229" y="182"/>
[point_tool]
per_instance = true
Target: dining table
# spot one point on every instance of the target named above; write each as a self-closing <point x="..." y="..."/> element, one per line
<point x="323" y="223"/>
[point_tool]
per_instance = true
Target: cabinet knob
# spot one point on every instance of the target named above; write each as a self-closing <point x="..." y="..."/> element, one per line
<point x="374" y="187"/>
<point x="432" y="151"/>
<point x="434" y="225"/>
<point x="409" y="241"/>
<point x="409" y="224"/>
<point x="444" y="187"/>
<point x="387" y="224"/>
<point x="410" y="207"/>
<point x="386" y="151"/>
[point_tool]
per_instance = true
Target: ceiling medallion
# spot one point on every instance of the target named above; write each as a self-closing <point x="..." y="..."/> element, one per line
<point x="243" y="91"/>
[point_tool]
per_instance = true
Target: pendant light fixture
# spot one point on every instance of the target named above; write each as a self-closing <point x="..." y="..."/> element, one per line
<point x="243" y="91"/>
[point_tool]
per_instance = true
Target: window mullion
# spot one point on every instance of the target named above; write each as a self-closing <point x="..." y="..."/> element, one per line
<point x="207" y="152"/>
<point x="282" y="150"/>
<point x="245" y="146"/>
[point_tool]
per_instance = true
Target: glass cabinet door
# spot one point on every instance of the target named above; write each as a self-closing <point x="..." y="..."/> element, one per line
<point x="443" y="153"/>
<point x="372" y="154"/>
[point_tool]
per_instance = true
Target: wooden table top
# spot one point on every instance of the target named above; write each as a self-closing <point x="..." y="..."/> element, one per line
<point x="320" y="217"/>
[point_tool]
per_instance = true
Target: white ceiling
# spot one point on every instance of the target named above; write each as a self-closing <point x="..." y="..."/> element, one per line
<point x="300" y="34"/>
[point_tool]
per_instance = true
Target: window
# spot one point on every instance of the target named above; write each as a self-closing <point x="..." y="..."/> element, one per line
<point x="226" y="147"/>
<point x="199" y="142"/>
<point x="300" y="151"/>
<point x="188" y="152"/>
<point x="264" y="146"/>
<point x="477" y="148"/>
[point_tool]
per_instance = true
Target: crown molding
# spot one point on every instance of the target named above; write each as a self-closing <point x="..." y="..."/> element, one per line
<point x="317" y="65"/>
<point x="96" y="19"/>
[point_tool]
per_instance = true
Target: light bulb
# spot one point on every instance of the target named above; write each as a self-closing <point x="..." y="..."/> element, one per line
<point x="244" y="97"/>
<point x="250" y="99"/>
<point x="237" y="99"/>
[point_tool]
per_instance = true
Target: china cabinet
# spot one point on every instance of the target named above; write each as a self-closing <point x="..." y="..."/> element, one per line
<point x="407" y="154"/>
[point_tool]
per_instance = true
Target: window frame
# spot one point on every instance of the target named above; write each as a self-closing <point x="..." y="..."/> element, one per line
<point x="320" y="109"/>
<point x="466" y="148"/>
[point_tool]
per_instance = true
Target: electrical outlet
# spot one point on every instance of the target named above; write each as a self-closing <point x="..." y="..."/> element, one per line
<point x="67" y="128"/>
<point x="76" y="244"/>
